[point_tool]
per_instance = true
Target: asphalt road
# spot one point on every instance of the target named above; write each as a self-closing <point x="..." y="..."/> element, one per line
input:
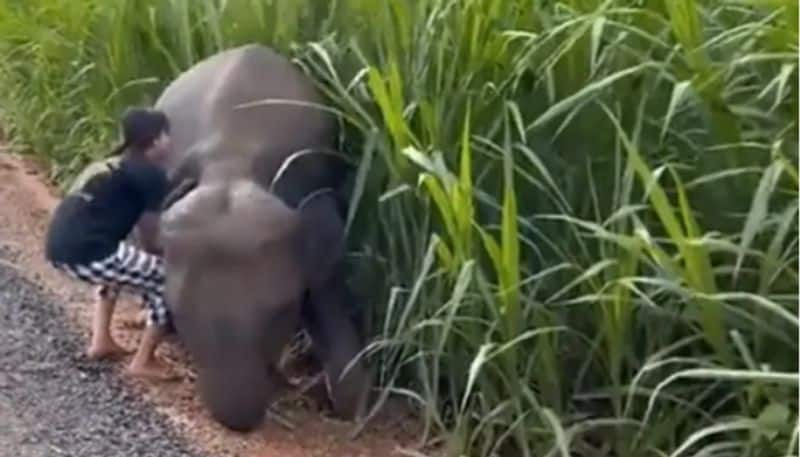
<point x="53" y="401"/>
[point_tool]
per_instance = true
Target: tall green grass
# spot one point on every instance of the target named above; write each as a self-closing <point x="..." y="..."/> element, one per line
<point x="575" y="222"/>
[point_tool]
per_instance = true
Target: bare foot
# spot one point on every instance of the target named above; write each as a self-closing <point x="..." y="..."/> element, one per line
<point x="106" y="350"/>
<point x="154" y="370"/>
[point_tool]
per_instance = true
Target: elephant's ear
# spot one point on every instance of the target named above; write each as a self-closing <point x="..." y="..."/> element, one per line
<point x="309" y="170"/>
<point x="323" y="242"/>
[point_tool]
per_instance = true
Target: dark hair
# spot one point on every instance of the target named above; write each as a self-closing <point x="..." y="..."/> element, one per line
<point x="140" y="128"/>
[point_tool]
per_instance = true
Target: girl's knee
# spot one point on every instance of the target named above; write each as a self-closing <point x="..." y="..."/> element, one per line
<point x="108" y="292"/>
<point x="161" y="321"/>
<point x="158" y="314"/>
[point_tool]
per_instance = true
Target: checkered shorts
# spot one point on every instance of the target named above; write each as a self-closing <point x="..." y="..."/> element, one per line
<point x="128" y="268"/>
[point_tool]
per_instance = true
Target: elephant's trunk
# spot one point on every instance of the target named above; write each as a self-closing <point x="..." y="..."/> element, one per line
<point x="233" y="383"/>
<point x="235" y="352"/>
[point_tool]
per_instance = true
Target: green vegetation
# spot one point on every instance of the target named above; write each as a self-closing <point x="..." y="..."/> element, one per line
<point x="575" y="220"/>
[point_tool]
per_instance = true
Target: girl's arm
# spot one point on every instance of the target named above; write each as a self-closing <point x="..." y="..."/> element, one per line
<point x="147" y="233"/>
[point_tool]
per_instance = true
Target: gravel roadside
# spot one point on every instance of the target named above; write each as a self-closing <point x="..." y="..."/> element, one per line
<point x="53" y="401"/>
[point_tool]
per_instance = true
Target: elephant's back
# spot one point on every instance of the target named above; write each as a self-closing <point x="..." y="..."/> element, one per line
<point x="222" y="96"/>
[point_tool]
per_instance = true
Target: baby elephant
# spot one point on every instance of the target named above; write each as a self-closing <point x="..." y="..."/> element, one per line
<point x="242" y="265"/>
<point x="253" y="246"/>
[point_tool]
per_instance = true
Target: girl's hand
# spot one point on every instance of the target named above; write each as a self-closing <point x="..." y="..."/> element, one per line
<point x="179" y="192"/>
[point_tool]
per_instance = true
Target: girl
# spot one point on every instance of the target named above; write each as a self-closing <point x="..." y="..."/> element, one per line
<point x="86" y="238"/>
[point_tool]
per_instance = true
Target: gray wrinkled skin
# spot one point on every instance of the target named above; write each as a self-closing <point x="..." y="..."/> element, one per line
<point x="249" y="259"/>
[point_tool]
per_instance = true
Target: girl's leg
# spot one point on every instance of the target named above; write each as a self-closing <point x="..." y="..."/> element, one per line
<point x="102" y="343"/>
<point x="145" y="364"/>
<point x="137" y="269"/>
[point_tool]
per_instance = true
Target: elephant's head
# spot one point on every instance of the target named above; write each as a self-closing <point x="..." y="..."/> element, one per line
<point x="235" y="285"/>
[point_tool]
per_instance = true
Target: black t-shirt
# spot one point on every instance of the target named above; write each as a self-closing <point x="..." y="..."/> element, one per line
<point x="89" y="224"/>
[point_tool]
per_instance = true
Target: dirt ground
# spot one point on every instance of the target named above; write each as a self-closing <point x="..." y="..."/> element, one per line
<point x="27" y="202"/>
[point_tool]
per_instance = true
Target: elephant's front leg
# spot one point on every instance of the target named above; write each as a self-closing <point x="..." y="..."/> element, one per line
<point x="328" y="314"/>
